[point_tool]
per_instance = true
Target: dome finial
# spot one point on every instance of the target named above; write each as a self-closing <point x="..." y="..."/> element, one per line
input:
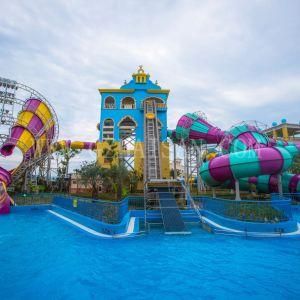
<point x="140" y="76"/>
<point x="140" y="69"/>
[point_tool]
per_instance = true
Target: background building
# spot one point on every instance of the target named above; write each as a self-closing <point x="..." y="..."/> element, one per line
<point x="78" y="187"/>
<point x="284" y="130"/>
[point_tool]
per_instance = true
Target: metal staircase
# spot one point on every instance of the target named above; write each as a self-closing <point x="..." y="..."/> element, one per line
<point x="160" y="203"/>
<point x="152" y="169"/>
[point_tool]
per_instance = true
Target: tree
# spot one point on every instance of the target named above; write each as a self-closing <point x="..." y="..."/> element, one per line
<point x="119" y="176"/>
<point x="93" y="175"/>
<point x="63" y="157"/>
<point x="67" y="154"/>
<point x="295" y="167"/>
<point x="134" y="179"/>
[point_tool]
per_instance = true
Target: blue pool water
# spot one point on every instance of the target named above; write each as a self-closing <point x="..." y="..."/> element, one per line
<point x="42" y="257"/>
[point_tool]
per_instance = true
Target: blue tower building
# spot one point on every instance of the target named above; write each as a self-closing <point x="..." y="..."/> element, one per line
<point x="122" y="121"/>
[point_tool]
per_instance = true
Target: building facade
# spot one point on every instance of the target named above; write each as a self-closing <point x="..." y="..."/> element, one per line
<point x="78" y="187"/>
<point x="122" y="121"/>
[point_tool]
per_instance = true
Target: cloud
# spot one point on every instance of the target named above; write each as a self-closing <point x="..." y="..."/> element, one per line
<point x="233" y="60"/>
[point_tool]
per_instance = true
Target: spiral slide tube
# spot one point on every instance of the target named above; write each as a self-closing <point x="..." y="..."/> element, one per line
<point x="195" y="128"/>
<point x="262" y="161"/>
<point x="259" y="166"/>
<point x="33" y="129"/>
<point x="249" y="155"/>
<point x="32" y="133"/>
<point x="269" y="183"/>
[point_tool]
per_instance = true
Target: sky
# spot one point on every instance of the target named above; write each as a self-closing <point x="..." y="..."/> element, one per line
<point x="233" y="60"/>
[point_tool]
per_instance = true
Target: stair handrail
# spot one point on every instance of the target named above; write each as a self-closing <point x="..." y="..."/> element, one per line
<point x="193" y="204"/>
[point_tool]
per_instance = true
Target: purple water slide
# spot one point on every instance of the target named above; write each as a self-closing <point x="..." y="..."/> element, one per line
<point x="32" y="104"/>
<point x="193" y="127"/>
<point x="8" y="147"/>
<point x="262" y="161"/>
<point x="35" y="125"/>
<point x="5" y="180"/>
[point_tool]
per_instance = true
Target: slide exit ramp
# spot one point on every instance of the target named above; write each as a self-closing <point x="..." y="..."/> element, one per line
<point x="172" y="219"/>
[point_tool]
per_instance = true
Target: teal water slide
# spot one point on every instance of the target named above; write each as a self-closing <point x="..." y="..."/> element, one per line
<point x="249" y="156"/>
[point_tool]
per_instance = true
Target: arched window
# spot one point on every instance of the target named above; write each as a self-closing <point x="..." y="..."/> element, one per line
<point x="127" y="122"/>
<point x="109" y="103"/>
<point x="108" y="130"/>
<point x="128" y="103"/>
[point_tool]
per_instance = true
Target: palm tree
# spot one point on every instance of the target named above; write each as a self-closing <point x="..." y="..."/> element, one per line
<point x="119" y="176"/>
<point x="134" y="178"/>
<point x="110" y="153"/>
<point x="63" y="157"/>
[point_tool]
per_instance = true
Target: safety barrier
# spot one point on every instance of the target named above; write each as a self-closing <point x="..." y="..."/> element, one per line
<point x="294" y="197"/>
<point x="33" y="199"/>
<point x="104" y="211"/>
<point x="135" y="202"/>
<point x="273" y="211"/>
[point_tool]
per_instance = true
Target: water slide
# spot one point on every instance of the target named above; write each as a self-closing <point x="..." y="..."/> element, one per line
<point x="248" y="155"/>
<point x="5" y="180"/>
<point x="34" y="134"/>
<point x="67" y="144"/>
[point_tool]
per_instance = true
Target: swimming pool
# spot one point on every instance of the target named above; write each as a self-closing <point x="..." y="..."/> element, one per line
<point x="43" y="257"/>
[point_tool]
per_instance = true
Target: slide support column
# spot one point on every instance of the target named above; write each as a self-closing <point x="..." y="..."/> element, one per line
<point x="279" y="182"/>
<point x="237" y="190"/>
<point x="198" y="157"/>
<point x="214" y="192"/>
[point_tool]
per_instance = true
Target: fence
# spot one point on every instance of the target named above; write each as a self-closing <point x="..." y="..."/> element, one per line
<point x="294" y="197"/>
<point x="33" y="199"/>
<point x="135" y="202"/>
<point x="105" y="211"/>
<point x="245" y="210"/>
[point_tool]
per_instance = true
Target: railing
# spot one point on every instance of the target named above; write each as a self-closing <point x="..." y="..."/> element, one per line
<point x="159" y="106"/>
<point x="135" y="202"/>
<point x="191" y="202"/>
<point x="33" y="199"/>
<point x="101" y="210"/>
<point x="152" y="202"/>
<point x="245" y="210"/>
<point x="294" y="197"/>
<point x="105" y="211"/>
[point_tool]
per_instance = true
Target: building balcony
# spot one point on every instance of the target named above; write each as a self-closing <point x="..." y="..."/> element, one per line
<point x="159" y="106"/>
